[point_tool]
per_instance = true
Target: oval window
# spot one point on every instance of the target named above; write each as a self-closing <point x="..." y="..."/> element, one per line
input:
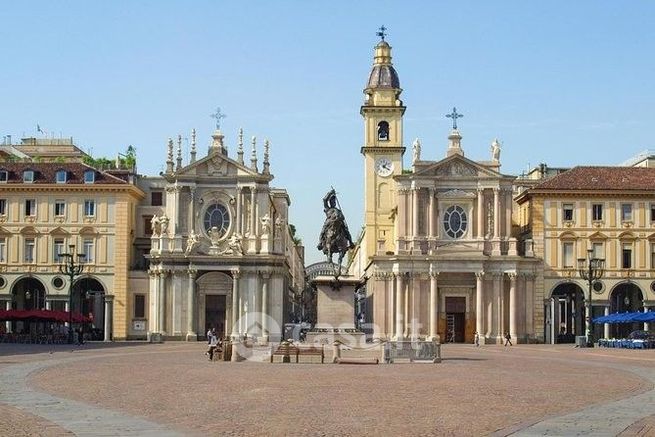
<point x="455" y="222"/>
<point x="217" y="216"/>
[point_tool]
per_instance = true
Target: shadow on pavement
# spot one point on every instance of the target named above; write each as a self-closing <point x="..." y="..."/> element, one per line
<point x="9" y="349"/>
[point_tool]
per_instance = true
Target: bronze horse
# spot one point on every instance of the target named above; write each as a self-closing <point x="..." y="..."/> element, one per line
<point x="335" y="236"/>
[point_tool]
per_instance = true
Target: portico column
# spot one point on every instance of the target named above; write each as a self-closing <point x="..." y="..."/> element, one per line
<point x="400" y="300"/>
<point x="508" y="213"/>
<point x="496" y="213"/>
<point x="480" y="216"/>
<point x="109" y="315"/>
<point x="434" y="305"/>
<point x="236" y="304"/>
<point x="512" y="306"/>
<point x="479" y="299"/>
<point x="646" y="325"/>
<point x="265" y="277"/>
<point x="191" y="306"/>
<point x="529" y="304"/>
<point x="606" y="326"/>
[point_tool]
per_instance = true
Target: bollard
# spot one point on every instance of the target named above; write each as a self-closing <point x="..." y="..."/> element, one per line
<point x="235" y="351"/>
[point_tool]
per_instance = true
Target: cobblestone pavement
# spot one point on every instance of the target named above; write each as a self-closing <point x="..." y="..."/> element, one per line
<point x="527" y="390"/>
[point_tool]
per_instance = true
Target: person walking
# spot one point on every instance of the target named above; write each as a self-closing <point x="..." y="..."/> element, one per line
<point x="209" y="335"/>
<point x="476" y="339"/>
<point x="213" y="343"/>
<point x="508" y="339"/>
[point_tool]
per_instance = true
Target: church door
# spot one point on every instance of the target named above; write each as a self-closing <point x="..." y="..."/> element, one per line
<point x="215" y="313"/>
<point x="455" y="319"/>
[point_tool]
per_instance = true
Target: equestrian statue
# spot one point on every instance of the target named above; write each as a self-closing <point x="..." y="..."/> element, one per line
<point x="335" y="236"/>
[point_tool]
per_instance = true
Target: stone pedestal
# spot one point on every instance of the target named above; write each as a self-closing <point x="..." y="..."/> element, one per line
<point x="335" y="307"/>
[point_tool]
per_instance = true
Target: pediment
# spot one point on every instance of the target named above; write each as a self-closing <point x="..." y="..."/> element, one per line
<point x="30" y="230"/>
<point x="567" y="235"/>
<point x="457" y="166"/>
<point x="627" y="235"/>
<point x="88" y="230"/>
<point x="216" y="165"/>
<point x="59" y="231"/>
<point x="598" y="236"/>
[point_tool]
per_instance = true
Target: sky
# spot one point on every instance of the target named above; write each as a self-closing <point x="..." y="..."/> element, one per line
<point x="561" y="82"/>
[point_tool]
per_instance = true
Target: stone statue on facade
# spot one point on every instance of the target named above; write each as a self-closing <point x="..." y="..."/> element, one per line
<point x="495" y="151"/>
<point x="214" y="236"/>
<point x="416" y="151"/>
<point x="266" y="224"/>
<point x="235" y="245"/>
<point x="155" y="225"/>
<point x="335" y="236"/>
<point x="163" y="221"/>
<point x="192" y="241"/>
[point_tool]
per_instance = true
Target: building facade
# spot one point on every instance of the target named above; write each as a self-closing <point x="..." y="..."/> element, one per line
<point x="608" y="210"/>
<point x="215" y="239"/>
<point x="45" y="207"/>
<point x="437" y="250"/>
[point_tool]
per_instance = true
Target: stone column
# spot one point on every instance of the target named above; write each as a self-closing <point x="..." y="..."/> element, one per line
<point x="253" y="212"/>
<point x="508" y="213"/>
<point x="265" y="313"/>
<point x="191" y="334"/>
<point x="161" y="319"/>
<point x="400" y="300"/>
<point x="496" y="213"/>
<point x="431" y="220"/>
<point x="512" y="306"/>
<point x="646" y="325"/>
<point x="236" y="304"/>
<point x="479" y="300"/>
<point x="529" y="304"/>
<point x="497" y="308"/>
<point x="109" y="316"/>
<point x="434" y="305"/>
<point x="239" y="219"/>
<point x="415" y="213"/>
<point x="606" y="326"/>
<point x="480" y="216"/>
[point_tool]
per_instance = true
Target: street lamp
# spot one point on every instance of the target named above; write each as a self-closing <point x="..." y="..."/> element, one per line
<point x="70" y="267"/>
<point x="591" y="269"/>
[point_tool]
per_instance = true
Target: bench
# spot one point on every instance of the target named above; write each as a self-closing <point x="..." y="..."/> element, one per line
<point x="286" y="351"/>
<point x="311" y="351"/>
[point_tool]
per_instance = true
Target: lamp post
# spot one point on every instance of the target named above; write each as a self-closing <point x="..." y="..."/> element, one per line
<point x="70" y="267"/>
<point x="591" y="269"/>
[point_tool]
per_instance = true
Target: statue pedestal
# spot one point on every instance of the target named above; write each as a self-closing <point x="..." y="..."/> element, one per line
<point x="335" y="308"/>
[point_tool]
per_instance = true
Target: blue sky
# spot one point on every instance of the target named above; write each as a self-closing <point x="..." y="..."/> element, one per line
<point x="560" y="82"/>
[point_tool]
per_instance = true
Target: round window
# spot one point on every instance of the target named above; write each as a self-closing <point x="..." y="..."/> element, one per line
<point x="57" y="282"/>
<point x="598" y="287"/>
<point x="455" y="222"/>
<point x="217" y="216"/>
<point x="652" y="286"/>
<point x="3" y="282"/>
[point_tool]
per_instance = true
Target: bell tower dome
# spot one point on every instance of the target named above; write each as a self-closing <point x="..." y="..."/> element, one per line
<point x="383" y="148"/>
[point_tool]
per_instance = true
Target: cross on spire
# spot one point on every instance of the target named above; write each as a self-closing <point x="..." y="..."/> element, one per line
<point x="218" y="115"/>
<point x="381" y="33"/>
<point x="454" y="115"/>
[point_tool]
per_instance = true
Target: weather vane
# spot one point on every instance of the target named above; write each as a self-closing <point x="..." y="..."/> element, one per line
<point x="381" y="33"/>
<point x="218" y="115"/>
<point x="454" y="115"/>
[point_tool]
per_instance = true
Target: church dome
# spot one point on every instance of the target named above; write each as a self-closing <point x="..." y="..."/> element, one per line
<point x="383" y="75"/>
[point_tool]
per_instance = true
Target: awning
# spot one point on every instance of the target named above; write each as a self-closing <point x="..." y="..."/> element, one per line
<point x="46" y="315"/>
<point x="636" y="316"/>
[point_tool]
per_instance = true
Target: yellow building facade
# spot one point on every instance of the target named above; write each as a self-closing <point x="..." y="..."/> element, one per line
<point x="44" y="209"/>
<point x="608" y="210"/>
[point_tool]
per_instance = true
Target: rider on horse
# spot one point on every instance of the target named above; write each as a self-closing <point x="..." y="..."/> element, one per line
<point x="335" y="236"/>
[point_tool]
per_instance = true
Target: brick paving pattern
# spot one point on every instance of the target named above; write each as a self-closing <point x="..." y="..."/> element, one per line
<point x="475" y="391"/>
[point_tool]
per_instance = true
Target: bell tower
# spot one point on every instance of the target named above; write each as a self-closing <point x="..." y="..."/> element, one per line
<point x="383" y="148"/>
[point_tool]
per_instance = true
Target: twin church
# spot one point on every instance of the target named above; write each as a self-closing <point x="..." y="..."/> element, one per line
<point x="437" y="250"/>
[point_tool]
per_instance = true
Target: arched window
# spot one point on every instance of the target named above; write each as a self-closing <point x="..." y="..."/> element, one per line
<point x="383" y="131"/>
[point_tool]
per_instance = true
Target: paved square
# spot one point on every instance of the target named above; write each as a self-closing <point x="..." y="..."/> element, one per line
<point x="171" y="388"/>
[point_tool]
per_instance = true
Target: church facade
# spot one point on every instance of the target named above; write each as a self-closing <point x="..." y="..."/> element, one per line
<point x="437" y="249"/>
<point x="220" y="254"/>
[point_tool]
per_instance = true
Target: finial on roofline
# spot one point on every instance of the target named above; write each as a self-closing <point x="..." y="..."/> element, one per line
<point x="240" y="147"/>
<point x="253" y="156"/>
